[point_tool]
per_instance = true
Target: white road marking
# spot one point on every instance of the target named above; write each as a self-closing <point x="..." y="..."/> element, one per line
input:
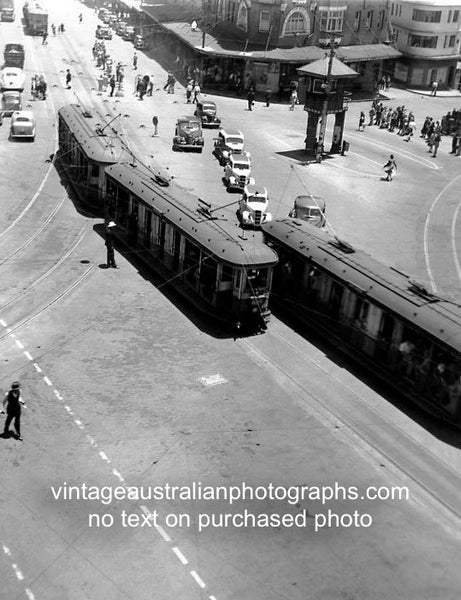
<point x="211" y="598"/>
<point x="6" y="550"/>
<point x="47" y="381"/>
<point x="117" y="474"/>
<point x="17" y="571"/>
<point x="91" y="440"/>
<point x="29" y="594"/>
<point x="8" y="329"/>
<point x="79" y="424"/>
<point x="453" y="241"/>
<point x="58" y="395"/>
<point x="2" y="322"/>
<point x="37" y="368"/>
<point x="426" y="233"/>
<point x="197" y="579"/>
<point x="28" y="355"/>
<point x="163" y="533"/>
<point x="104" y="456"/>
<point x="180" y="555"/>
<point x="19" y="344"/>
<point x="12" y="335"/>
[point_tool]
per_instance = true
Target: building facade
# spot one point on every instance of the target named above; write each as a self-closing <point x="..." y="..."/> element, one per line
<point x="428" y="34"/>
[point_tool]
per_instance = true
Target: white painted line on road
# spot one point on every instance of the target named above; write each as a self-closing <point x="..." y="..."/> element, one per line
<point x="28" y="355"/>
<point x="104" y="456"/>
<point x="37" y="368"/>
<point x="47" y="381"/>
<point x="58" y="395"/>
<point x="426" y="233"/>
<point x="8" y="329"/>
<point x="91" y="440"/>
<point x="118" y="475"/>
<point x="453" y="241"/>
<point x="197" y="579"/>
<point x="79" y="423"/>
<point x="211" y="598"/>
<point x="180" y="555"/>
<point x="29" y="594"/>
<point x="69" y="410"/>
<point x="2" y="322"/>
<point x="19" y="344"/>
<point x="17" y="571"/>
<point x="12" y="335"/>
<point x="6" y="550"/>
<point x="163" y="533"/>
<point x="280" y="141"/>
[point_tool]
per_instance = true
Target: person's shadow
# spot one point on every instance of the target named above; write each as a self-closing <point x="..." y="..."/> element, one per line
<point x="9" y="434"/>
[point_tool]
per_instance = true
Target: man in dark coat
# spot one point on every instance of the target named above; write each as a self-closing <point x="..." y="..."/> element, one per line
<point x="110" y="247"/>
<point x="13" y="403"/>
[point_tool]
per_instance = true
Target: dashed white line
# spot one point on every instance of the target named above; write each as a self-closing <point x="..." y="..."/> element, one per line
<point x="8" y="329"/>
<point x="118" y="475"/>
<point x="6" y="550"/>
<point x="19" y="344"/>
<point x="104" y="456"/>
<point x="211" y="598"/>
<point x="47" y="381"/>
<point x="91" y="440"/>
<point x="28" y="355"/>
<point x="17" y="571"/>
<point x="79" y="424"/>
<point x="37" y="368"/>
<point x="180" y="555"/>
<point x="29" y="594"/>
<point x="58" y="395"/>
<point x="197" y="579"/>
<point x="2" y="322"/>
<point x="163" y="533"/>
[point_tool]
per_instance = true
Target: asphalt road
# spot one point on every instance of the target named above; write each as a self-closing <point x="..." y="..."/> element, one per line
<point x="126" y="385"/>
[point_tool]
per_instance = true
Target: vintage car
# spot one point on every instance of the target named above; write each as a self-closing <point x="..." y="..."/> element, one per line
<point x="103" y="33"/>
<point x="252" y="209"/>
<point x="229" y="141"/>
<point x="22" y="125"/>
<point x="188" y="134"/>
<point x="12" y="78"/>
<point x="309" y="208"/>
<point x="206" y="111"/>
<point x="140" y="42"/>
<point x="14" y="55"/>
<point x="237" y="172"/>
<point x="120" y="27"/>
<point x="128" y="33"/>
<point x="10" y="102"/>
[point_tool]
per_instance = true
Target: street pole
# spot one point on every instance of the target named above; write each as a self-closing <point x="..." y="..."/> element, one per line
<point x="204" y="17"/>
<point x="323" y="123"/>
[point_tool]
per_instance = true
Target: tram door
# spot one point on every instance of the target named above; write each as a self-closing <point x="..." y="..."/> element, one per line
<point x="147" y="227"/>
<point x="176" y="249"/>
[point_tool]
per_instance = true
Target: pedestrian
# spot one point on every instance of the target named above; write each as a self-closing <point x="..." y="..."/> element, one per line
<point x="61" y="27"/>
<point x="197" y="91"/>
<point x="434" y="87"/>
<point x="135" y="61"/>
<point x="68" y="79"/>
<point x="435" y="143"/>
<point x="390" y="168"/>
<point x="371" y="113"/>
<point x="53" y="29"/>
<point x="189" y="89"/>
<point x="171" y="83"/>
<point x="110" y="246"/>
<point x="112" y="85"/>
<point x="268" y="97"/>
<point x="293" y="99"/>
<point x="80" y="18"/>
<point x="251" y="98"/>
<point x="44" y="38"/>
<point x="362" y="121"/>
<point x="13" y="403"/>
<point x="150" y="89"/>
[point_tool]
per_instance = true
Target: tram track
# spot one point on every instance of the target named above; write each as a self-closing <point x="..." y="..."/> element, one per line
<point x="435" y="484"/>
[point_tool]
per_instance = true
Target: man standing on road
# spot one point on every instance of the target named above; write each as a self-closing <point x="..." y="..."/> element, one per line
<point x="68" y="79"/>
<point x="390" y="168"/>
<point x="251" y="98"/>
<point x="110" y="246"/>
<point x="135" y="61"/>
<point x="434" y="87"/>
<point x="13" y="403"/>
<point x="112" y="85"/>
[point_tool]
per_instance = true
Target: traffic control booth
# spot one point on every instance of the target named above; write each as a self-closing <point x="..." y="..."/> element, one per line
<point x="323" y="84"/>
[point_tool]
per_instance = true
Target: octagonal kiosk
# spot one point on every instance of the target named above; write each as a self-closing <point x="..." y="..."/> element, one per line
<point x="324" y="81"/>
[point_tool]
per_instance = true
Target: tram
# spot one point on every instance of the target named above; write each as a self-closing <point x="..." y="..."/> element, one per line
<point x="203" y="257"/>
<point x="86" y="148"/>
<point x="391" y="324"/>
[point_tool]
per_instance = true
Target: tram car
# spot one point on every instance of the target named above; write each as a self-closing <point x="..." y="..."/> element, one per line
<point x="86" y="147"/>
<point x="391" y="324"/>
<point x="203" y="257"/>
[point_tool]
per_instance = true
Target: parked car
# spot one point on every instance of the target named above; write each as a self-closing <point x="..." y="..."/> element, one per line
<point x="252" y="209"/>
<point x="120" y="27"/>
<point x="10" y="102"/>
<point x="237" y="172"/>
<point x="14" y="55"/>
<point x="22" y="125"/>
<point x="309" y="208"/>
<point x="12" y="78"/>
<point x="229" y="141"/>
<point x="128" y="33"/>
<point x="140" y="42"/>
<point x="206" y="111"/>
<point x="188" y="134"/>
<point x="103" y="33"/>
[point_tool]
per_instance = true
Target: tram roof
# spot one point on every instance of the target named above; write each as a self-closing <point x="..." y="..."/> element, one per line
<point x="384" y="285"/>
<point x="216" y="235"/>
<point x="100" y="148"/>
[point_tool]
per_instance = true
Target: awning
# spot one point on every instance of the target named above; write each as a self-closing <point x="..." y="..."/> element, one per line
<point x="321" y="67"/>
<point x="366" y="52"/>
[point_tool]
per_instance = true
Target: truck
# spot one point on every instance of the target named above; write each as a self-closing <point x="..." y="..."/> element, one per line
<point x="13" y="55"/>
<point x="237" y="172"/>
<point x="252" y="209"/>
<point x="7" y="10"/>
<point x="35" y="19"/>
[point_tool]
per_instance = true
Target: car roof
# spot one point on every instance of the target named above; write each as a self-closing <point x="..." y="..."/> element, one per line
<point x="307" y="200"/>
<point x="23" y="113"/>
<point x="240" y="158"/>
<point x="229" y="132"/>
<point x="207" y="102"/>
<point x="11" y="93"/>
<point x="186" y="119"/>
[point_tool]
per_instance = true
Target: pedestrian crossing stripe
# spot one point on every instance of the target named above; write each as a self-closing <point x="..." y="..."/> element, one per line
<point x="212" y="380"/>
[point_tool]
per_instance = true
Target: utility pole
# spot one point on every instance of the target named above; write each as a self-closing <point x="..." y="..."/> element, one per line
<point x="327" y="88"/>
<point x="204" y="18"/>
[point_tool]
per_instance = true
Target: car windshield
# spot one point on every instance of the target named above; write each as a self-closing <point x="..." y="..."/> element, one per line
<point x="234" y="140"/>
<point x="22" y="119"/>
<point x="11" y="74"/>
<point x="309" y="211"/>
<point x="241" y="166"/>
<point x="189" y="125"/>
<point x="209" y="107"/>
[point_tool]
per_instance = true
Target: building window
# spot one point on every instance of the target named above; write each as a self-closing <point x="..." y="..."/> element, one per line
<point x="422" y="41"/>
<point x="331" y="21"/>
<point x="455" y="16"/>
<point x="381" y="16"/>
<point x="392" y="9"/>
<point x="369" y="20"/>
<point x="264" y="20"/>
<point x="400" y="10"/>
<point x="295" y="23"/>
<point x="357" y="21"/>
<point x="427" y="16"/>
<point x="395" y="34"/>
<point x="445" y="41"/>
<point x="242" y="17"/>
<point x="452" y="41"/>
<point x="449" y="16"/>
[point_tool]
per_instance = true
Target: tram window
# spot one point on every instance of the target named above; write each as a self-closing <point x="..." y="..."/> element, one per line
<point x="94" y="170"/>
<point x="191" y="262"/>
<point x="386" y="329"/>
<point x="227" y="273"/>
<point x="123" y="206"/>
<point x="111" y="188"/>
<point x="208" y="272"/>
<point x="256" y="279"/>
<point x="336" y="296"/>
<point x="361" y="313"/>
